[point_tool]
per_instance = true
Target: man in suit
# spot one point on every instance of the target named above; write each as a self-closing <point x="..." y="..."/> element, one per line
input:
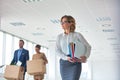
<point x="21" y="55"/>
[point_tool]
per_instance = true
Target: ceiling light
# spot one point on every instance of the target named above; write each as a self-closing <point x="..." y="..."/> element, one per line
<point x="17" y="24"/>
<point x="106" y="25"/>
<point x="32" y="1"/>
<point x="111" y="38"/>
<point x="55" y="21"/>
<point x="37" y="34"/>
<point x="108" y="30"/>
<point x="51" y="40"/>
<point x="102" y="19"/>
<point x="40" y="28"/>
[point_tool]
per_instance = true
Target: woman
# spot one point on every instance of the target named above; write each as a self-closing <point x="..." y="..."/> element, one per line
<point x="70" y="69"/>
<point x="39" y="55"/>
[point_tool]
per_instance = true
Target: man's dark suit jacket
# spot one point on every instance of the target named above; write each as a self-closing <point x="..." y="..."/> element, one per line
<point x="23" y="58"/>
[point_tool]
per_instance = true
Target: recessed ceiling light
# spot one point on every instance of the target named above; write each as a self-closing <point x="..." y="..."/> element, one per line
<point x="40" y="28"/>
<point x="17" y="24"/>
<point x="37" y="34"/>
<point x="108" y="30"/>
<point x="106" y="25"/>
<point x="51" y="40"/>
<point x="55" y="21"/>
<point x="26" y="1"/>
<point x="102" y="19"/>
<point x="112" y="38"/>
<point x="115" y="44"/>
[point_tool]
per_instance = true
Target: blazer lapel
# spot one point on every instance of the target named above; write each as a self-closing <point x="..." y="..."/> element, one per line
<point x="16" y="55"/>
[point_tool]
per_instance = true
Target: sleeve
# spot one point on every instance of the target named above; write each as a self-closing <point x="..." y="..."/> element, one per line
<point x="45" y="58"/>
<point x="27" y="56"/>
<point x="58" y="49"/>
<point x="33" y="57"/>
<point x="88" y="51"/>
<point x="26" y="59"/>
<point x="13" y="60"/>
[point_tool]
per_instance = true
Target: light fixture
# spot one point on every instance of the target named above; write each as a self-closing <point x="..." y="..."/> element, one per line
<point x="55" y="21"/>
<point x="40" y="28"/>
<point x="51" y="40"/>
<point x="37" y="34"/>
<point x="17" y="23"/>
<point x="108" y="30"/>
<point x="102" y="19"/>
<point x="26" y="1"/>
<point x="106" y="25"/>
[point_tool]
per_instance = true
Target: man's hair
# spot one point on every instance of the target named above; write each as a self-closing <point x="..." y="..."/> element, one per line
<point x="38" y="46"/>
<point x="22" y="41"/>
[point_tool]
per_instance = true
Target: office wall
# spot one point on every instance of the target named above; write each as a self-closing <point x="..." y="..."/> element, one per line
<point x="51" y="62"/>
<point x="105" y="70"/>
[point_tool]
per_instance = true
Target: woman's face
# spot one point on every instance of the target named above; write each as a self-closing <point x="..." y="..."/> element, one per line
<point x="37" y="49"/>
<point x="65" y="24"/>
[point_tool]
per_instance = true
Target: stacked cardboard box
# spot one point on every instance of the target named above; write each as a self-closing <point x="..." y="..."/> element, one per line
<point x="13" y="72"/>
<point x="36" y="67"/>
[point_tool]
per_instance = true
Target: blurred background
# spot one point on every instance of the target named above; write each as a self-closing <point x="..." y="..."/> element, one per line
<point x="38" y="22"/>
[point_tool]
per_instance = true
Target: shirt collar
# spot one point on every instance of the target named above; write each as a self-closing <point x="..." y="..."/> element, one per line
<point x="68" y="34"/>
<point x="21" y="49"/>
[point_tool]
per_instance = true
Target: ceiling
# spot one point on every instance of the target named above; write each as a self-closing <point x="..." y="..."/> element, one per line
<point x="39" y="21"/>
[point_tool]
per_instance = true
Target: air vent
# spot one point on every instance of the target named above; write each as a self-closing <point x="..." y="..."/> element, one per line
<point x="108" y="30"/>
<point x="106" y="25"/>
<point x="55" y="21"/>
<point x="27" y="1"/>
<point x="17" y="24"/>
<point x="115" y="44"/>
<point x="111" y="38"/>
<point x="37" y="34"/>
<point x="102" y="19"/>
<point x="51" y="40"/>
<point x="40" y="28"/>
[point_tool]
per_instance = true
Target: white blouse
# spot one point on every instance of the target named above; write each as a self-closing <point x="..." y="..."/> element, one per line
<point x="63" y="41"/>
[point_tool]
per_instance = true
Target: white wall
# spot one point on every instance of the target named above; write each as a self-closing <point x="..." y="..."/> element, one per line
<point x="105" y="70"/>
<point x="51" y="61"/>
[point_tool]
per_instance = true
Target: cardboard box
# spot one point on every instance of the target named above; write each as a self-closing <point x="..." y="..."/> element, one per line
<point x="36" y="67"/>
<point x="12" y="72"/>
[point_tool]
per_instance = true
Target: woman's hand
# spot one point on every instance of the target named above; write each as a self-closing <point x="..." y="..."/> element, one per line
<point x="22" y="69"/>
<point x="70" y="59"/>
<point x="83" y="59"/>
<point x="45" y="62"/>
